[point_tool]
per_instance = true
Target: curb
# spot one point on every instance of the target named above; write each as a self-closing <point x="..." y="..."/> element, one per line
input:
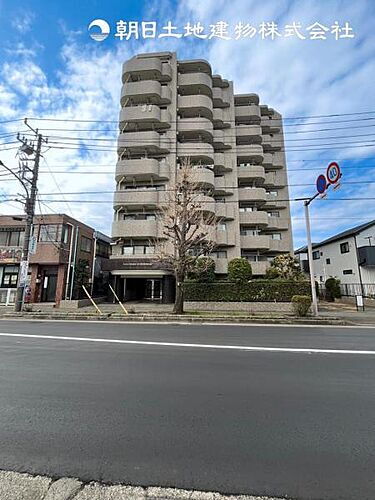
<point x="176" y="319"/>
<point x="17" y="486"/>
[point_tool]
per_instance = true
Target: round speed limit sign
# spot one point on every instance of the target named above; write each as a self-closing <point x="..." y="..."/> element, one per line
<point x="333" y="172"/>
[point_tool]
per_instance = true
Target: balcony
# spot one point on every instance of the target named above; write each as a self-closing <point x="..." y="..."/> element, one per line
<point x="255" y="218"/>
<point x="251" y="113"/>
<point x="280" y="245"/>
<point x="220" y="97"/>
<point x="251" y="173"/>
<point x="225" y="210"/>
<point x="223" y="186"/>
<point x="270" y="125"/>
<point x="146" y="68"/>
<point x="225" y="238"/>
<point x="223" y="162"/>
<point x="248" y="134"/>
<point x="366" y="256"/>
<point x="278" y="160"/>
<point x="146" y="116"/>
<point x="142" y="169"/>
<point x="194" y="66"/>
<point x="259" y="268"/>
<point x="252" y="194"/>
<point x="260" y="242"/>
<point x="136" y="229"/>
<point x="195" y="83"/>
<point x="196" y="151"/>
<point x="246" y="99"/>
<point x="145" y="91"/>
<point x="277" y="223"/>
<point x="273" y="201"/>
<point x="276" y="179"/>
<point x="204" y="176"/>
<point x="205" y="203"/>
<point x="221" y="118"/>
<point x="250" y="153"/>
<point x="195" y="105"/>
<point x="149" y="141"/>
<point x="193" y="127"/>
<point x="219" y="140"/>
<point x="267" y="160"/>
<point x="135" y="198"/>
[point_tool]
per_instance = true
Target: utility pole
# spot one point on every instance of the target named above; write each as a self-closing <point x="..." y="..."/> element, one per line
<point x="311" y="260"/>
<point x="30" y="210"/>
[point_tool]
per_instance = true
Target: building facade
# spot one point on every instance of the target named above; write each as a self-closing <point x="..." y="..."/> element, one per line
<point x="173" y="110"/>
<point x="64" y="247"/>
<point x="348" y="256"/>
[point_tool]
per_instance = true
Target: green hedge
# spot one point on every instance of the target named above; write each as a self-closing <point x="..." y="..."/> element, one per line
<point x="254" y="291"/>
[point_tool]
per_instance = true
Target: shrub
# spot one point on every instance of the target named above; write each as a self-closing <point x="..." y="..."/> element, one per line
<point x="301" y="304"/>
<point x="332" y="286"/>
<point x="286" y="267"/>
<point x="255" y="291"/>
<point x="203" y="270"/>
<point x="239" y="270"/>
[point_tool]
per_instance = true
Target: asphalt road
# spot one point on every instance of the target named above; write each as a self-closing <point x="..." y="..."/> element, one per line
<point x="208" y="415"/>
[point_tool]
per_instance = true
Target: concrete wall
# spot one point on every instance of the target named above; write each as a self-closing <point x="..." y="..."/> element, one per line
<point x="249" y="307"/>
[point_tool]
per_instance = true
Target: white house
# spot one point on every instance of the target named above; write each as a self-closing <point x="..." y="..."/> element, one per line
<point x="348" y="256"/>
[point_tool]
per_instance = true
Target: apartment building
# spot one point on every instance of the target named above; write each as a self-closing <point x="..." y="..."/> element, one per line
<point x="172" y="110"/>
<point x="63" y="247"/>
<point x="348" y="256"/>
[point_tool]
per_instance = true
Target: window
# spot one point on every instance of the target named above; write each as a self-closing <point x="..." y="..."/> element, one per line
<point x="276" y="236"/>
<point x="138" y="249"/>
<point x="11" y="238"/>
<point x="222" y="226"/>
<point x="85" y="244"/>
<point x="328" y="261"/>
<point x="273" y="214"/>
<point x="253" y="257"/>
<point x="221" y="254"/>
<point x="248" y="231"/>
<point x="64" y="234"/>
<point x="316" y="255"/>
<point x="49" y="232"/>
<point x="344" y="247"/>
<point x="10" y="277"/>
<point x="247" y="208"/>
<point x="272" y="193"/>
<point x="347" y="271"/>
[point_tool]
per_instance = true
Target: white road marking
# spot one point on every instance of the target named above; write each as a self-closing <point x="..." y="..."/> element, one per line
<point x="198" y="346"/>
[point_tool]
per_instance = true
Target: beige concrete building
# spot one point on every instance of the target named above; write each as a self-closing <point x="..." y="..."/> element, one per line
<point x="171" y="110"/>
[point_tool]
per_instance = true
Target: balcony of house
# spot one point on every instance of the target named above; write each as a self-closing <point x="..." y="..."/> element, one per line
<point x="221" y="118"/>
<point x="279" y="245"/>
<point x="144" y="117"/>
<point x="137" y="229"/>
<point x="223" y="186"/>
<point x="205" y="203"/>
<point x="195" y="105"/>
<point x="267" y="160"/>
<point x="194" y="66"/>
<point x="248" y="134"/>
<point x="150" y="141"/>
<point x="219" y="81"/>
<point x="225" y="238"/>
<point x="194" y="83"/>
<point x="257" y="242"/>
<point x="253" y="194"/>
<point x="278" y="223"/>
<point x="197" y="152"/>
<point x="366" y="256"/>
<point x="140" y="197"/>
<point x="276" y="179"/>
<point x="146" y="68"/>
<point x="254" y="218"/>
<point x="142" y="169"/>
<point x="204" y="176"/>
<point x="223" y="162"/>
<point x="220" y="140"/>
<point x="278" y="160"/>
<point x="246" y="99"/>
<point x="248" y="172"/>
<point x="220" y="97"/>
<point x="270" y="125"/>
<point x="275" y="201"/>
<point x="271" y="143"/>
<point x="249" y="114"/>
<point x="195" y="127"/>
<point x="145" y="92"/>
<point x="249" y="153"/>
<point x="225" y="210"/>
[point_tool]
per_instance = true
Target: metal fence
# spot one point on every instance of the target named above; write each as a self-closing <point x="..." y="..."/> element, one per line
<point x="352" y="289"/>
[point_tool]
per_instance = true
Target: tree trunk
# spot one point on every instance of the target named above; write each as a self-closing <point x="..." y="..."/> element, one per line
<point x="178" y="307"/>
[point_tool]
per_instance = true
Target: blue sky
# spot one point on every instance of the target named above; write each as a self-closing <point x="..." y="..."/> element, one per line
<point x="51" y="68"/>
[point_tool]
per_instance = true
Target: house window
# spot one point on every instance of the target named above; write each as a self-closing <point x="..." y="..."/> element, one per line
<point x="328" y="261"/>
<point x="221" y="254"/>
<point x="49" y="232"/>
<point x="344" y="247"/>
<point x="11" y="238"/>
<point x="64" y="234"/>
<point x="276" y="236"/>
<point x="273" y="214"/>
<point x="85" y="244"/>
<point x="10" y="277"/>
<point x="316" y="255"/>
<point x="247" y="208"/>
<point x="347" y="271"/>
<point x="138" y="249"/>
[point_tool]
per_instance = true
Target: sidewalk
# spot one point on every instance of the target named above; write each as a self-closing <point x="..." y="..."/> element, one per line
<point x="15" y="486"/>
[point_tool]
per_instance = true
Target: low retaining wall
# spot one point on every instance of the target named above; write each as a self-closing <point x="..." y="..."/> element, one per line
<point x="249" y="307"/>
<point x="76" y="304"/>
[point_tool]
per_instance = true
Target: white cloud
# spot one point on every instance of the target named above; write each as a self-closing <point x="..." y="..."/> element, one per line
<point x="23" y="21"/>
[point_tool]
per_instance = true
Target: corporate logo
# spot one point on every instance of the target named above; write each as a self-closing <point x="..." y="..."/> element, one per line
<point x="103" y="32"/>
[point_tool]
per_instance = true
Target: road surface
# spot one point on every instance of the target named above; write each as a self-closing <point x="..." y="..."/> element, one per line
<point x="272" y="410"/>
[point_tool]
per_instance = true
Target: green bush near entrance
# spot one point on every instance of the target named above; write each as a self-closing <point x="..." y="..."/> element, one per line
<point x="254" y="291"/>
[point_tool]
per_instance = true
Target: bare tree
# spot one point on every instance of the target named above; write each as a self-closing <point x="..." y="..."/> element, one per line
<point x="188" y="225"/>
